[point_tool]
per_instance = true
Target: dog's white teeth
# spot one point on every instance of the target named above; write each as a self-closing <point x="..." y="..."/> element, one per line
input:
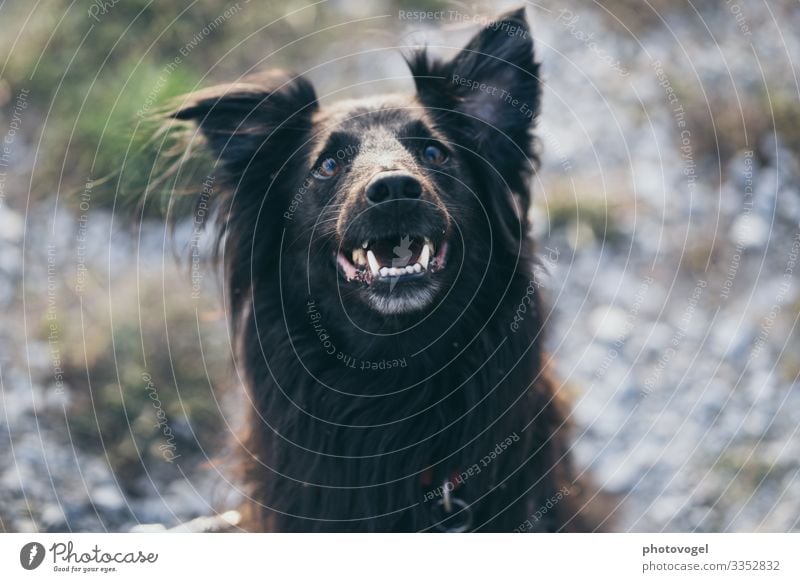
<point x="359" y="257"/>
<point x="374" y="266"/>
<point x="425" y="255"/>
<point x="379" y="271"/>
<point x="365" y="257"/>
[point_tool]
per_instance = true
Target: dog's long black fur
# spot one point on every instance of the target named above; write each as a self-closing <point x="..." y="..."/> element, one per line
<point x="369" y="393"/>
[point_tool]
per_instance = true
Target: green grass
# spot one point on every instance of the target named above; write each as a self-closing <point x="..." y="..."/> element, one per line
<point x="583" y="212"/>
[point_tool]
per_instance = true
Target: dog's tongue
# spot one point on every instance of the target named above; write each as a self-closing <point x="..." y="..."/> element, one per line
<point x="397" y="251"/>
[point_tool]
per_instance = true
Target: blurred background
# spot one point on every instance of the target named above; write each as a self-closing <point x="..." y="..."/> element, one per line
<point x="667" y="212"/>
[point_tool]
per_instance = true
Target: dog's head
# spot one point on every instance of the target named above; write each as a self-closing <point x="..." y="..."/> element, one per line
<point x="394" y="199"/>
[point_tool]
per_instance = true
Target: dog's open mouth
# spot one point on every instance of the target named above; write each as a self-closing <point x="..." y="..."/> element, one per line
<point x="392" y="259"/>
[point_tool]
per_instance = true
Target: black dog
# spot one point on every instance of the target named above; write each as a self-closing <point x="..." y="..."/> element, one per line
<point x="376" y="260"/>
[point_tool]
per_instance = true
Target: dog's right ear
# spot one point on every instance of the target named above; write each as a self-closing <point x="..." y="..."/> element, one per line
<point x="255" y="124"/>
<point x="256" y="129"/>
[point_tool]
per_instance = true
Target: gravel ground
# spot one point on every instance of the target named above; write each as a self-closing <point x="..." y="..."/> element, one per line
<point x="678" y="335"/>
<point x="670" y="265"/>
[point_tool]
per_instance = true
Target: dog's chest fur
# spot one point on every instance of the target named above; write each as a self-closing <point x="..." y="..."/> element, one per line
<point x="350" y="447"/>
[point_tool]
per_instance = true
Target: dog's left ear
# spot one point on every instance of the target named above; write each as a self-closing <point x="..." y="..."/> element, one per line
<point x="490" y="90"/>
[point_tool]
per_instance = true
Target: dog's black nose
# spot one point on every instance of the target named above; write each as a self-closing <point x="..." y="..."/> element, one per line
<point x="393" y="185"/>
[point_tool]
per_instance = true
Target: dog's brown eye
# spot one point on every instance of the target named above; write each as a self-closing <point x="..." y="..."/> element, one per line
<point x="327" y="169"/>
<point x="433" y="155"/>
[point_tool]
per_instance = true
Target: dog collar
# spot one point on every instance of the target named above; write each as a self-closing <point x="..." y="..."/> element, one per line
<point x="450" y="508"/>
